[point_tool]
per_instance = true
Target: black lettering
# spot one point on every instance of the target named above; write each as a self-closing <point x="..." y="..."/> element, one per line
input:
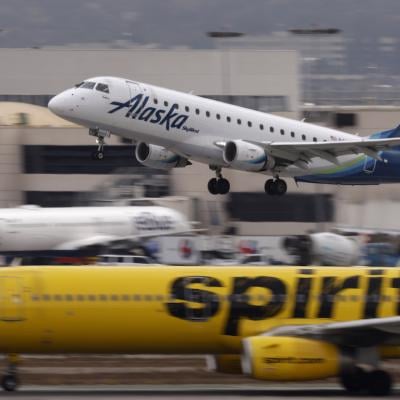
<point x="179" y="121"/>
<point x="170" y="115"/>
<point x="181" y="290"/>
<point x="302" y="295"/>
<point x="147" y="114"/>
<point x="396" y="285"/>
<point x="135" y="101"/>
<point x="373" y="293"/>
<point x="330" y="288"/>
<point x="240" y="307"/>
<point x="158" y="116"/>
<point x="139" y="110"/>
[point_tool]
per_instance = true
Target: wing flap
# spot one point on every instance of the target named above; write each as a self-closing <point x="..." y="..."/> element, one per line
<point x="294" y="151"/>
<point x="374" y="331"/>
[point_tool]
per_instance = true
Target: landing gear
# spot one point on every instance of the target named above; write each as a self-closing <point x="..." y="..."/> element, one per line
<point x="376" y="382"/>
<point x="218" y="185"/>
<point x="100" y="140"/>
<point x="10" y="381"/>
<point x="277" y="187"/>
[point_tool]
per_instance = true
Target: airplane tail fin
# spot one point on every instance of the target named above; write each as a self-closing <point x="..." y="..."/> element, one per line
<point x="391" y="133"/>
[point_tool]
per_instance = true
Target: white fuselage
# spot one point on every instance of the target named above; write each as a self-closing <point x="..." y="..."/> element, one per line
<point x="193" y="128"/>
<point x="39" y="229"/>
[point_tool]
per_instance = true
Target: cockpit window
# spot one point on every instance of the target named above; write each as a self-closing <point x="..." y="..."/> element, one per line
<point x="88" y="85"/>
<point x="101" y="87"/>
<point x="79" y="84"/>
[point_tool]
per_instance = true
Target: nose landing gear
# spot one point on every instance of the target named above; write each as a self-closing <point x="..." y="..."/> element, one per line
<point x="218" y="185"/>
<point x="10" y="381"/>
<point x="100" y="140"/>
<point x="277" y="187"/>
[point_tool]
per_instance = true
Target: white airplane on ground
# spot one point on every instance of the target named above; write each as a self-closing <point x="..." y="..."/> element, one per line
<point x="170" y="128"/>
<point x="36" y="230"/>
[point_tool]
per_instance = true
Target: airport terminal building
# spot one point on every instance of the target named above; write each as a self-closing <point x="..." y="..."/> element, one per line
<point x="47" y="161"/>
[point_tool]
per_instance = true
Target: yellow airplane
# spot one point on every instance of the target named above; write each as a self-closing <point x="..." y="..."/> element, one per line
<point x="272" y="323"/>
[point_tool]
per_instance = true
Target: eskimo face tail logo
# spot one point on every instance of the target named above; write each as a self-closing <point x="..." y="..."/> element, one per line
<point x="136" y="109"/>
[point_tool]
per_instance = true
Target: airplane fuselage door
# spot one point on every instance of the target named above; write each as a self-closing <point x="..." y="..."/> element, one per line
<point x="369" y="165"/>
<point x="11" y="299"/>
<point x="134" y="89"/>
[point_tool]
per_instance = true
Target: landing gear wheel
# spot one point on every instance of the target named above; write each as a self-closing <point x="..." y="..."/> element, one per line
<point x="379" y="383"/>
<point x="213" y="186"/>
<point x="270" y="187"/>
<point x="97" y="155"/>
<point x="354" y="382"/>
<point x="280" y="187"/>
<point x="223" y="186"/>
<point x="9" y="382"/>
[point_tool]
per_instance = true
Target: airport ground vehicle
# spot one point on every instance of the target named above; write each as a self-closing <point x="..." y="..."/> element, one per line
<point x="275" y="323"/>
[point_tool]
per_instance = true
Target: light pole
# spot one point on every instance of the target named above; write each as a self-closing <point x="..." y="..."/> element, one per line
<point x="225" y="58"/>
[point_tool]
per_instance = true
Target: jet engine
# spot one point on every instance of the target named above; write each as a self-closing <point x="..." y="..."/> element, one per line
<point x="159" y="157"/>
<point x="225" y="363"/>
<point x="324" y="248"/>
<point x="247" y="156"/>
<point x="278" y="358"/>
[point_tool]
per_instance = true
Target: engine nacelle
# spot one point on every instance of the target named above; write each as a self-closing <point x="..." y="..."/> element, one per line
<point x="225" y="363"/>
<point x="323" y="248"/>
<point x="247" y="156"/>
<point x="277" y="358"/>
<point x="158" y="157"/>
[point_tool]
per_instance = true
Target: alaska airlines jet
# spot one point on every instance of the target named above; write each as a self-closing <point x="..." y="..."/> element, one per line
<point x="36" y="230"/>
<point x="280" y="324"/>
<point x="171" y="128"/>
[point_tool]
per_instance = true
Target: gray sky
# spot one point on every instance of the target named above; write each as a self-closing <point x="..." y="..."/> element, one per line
<point x="27" y="23"/>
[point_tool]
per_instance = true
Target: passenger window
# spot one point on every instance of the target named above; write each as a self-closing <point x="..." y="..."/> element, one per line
<point x="101" y="87"/>
<point x="239" y="121"/>
<point x="314" y="139"/>
<point x="197" y="111"/>
<point x="218" y="116"/>
<point x="103" y="297"/>
<point x="271" y="128"/>
<point x="57" y="297"/>
<point x="92" y="297"/>
<point x="125" y="297"/>
<point x="249" y="124"/>
<point x="186" y="108"/>
<point x="303" y="137"/>
<point x="207" y="113"/>
<point x="69" y="297"/>
<point x="137" y="297"/>
<point x="155" y="101"/>
<point x="166" y="103"/>
<point x="114" y="297"/>
<point x="176" y="106"/>
<point x="292" y="134"/>
<point x="261" y="127"/>
<point x="228" y="119"/>
<point x="88" y="85"/>
<point x="282" y="132"/>
<point x="46" y="297"/>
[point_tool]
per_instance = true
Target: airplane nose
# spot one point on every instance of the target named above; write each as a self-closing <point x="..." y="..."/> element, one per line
<point x="56" y="105"/>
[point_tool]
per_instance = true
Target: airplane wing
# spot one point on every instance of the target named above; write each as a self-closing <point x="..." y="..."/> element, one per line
<point x="364" y="332"/>
<point x="291" y="152"/>
<point x="106" y="240"/>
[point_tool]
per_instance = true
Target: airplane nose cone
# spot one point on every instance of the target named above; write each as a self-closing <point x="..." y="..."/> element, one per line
<point x="56" y="105"/>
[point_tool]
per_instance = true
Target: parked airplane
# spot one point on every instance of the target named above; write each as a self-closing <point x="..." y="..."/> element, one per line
<point x="275" y="323"/>
<point x="170" y="128"/>
<point x="36" y="230"/>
